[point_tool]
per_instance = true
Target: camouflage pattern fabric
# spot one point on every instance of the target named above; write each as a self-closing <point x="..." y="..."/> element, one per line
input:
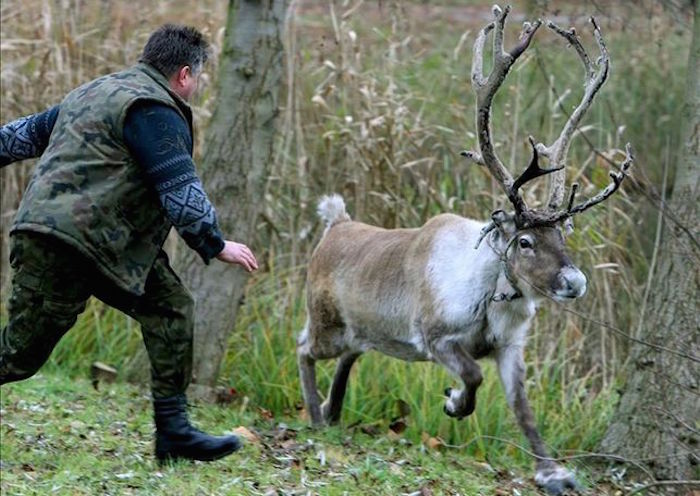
<point x="51" y="283"/>
<point x="88" y="191"/>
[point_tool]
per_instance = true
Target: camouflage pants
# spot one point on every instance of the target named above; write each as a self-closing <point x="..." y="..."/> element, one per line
<point x="51" y="284"/>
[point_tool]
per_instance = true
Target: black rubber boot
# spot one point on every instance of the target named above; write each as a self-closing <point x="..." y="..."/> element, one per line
<point x="177" y="439"/>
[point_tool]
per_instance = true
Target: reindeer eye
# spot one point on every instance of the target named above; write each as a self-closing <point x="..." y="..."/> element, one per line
<point x="525" y="243"/>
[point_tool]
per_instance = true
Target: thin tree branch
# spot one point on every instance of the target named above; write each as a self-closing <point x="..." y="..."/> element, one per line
<point x="522" y="448"/>
<point x="616" y="330"/>
<point x="690" y="483"/>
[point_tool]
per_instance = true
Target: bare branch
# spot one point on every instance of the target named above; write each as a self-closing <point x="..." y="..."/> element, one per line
<point x="681" y="483"/>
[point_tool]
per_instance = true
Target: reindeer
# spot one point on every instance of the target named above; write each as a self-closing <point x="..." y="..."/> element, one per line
<point x="454" y="290"/>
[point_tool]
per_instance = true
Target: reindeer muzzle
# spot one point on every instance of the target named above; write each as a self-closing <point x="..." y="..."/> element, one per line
<point x="570" y="283"/>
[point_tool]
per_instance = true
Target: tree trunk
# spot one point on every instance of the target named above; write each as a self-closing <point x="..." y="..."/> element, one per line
<point x="234" y="168"/>
<point x="658" y="413"/>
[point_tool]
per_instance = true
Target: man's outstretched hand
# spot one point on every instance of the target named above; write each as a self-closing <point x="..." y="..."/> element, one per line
<point x="237" y="253"/>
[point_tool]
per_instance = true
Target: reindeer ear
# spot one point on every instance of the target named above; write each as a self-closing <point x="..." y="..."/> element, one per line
<point x="504" y="223"/>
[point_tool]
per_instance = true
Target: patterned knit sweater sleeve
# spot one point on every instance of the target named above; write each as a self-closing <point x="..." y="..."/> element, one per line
<point x="160" y="141"/>
<point x="26" y="137"/>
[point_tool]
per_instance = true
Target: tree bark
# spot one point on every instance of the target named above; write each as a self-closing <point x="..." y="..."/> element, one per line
<point x="658" y="414"/>
<point x="234" y="168"/>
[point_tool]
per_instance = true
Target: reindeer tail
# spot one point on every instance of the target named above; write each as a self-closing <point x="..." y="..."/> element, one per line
<point x="331" y="209"/>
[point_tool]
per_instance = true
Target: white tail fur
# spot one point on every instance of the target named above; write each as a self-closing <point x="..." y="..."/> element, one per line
<point x="331" y="209"/>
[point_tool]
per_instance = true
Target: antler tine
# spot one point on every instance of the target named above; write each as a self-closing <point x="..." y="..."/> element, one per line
<point x="571" y="210"/>
<point x="534" y="170"/>
<point x="529" y="30"/>
<point x="575" y="42"/>
<point x="617" y="178"/>
<point x="500" y="15"/>
<point x="478" y="79"/>
<point x="485" y="89"/>
<point x="594" y="80"/>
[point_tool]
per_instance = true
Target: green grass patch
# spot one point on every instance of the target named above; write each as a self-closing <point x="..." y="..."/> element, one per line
<point x="61" y="436"/>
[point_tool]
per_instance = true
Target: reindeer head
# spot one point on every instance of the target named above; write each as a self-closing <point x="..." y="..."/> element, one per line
<point x="530" y="241"/>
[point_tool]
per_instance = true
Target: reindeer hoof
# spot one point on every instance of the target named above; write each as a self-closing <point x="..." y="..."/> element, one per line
<point x="455" y="406"/>
<point x="556" y="480"/>
<point x="450" y="413"/>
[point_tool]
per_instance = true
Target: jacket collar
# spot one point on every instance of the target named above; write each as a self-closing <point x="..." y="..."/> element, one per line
<point x="159" y="78"/>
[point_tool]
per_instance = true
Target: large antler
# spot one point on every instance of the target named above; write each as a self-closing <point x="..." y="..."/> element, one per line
<point x="486" y="88"/>
<point x="594" y="80"/>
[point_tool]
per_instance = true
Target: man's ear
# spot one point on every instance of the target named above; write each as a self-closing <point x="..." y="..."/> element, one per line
<point x="182" y="74"/>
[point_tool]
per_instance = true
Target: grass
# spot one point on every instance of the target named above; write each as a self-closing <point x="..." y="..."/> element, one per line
<point x="63" y="437"/>
<point x="572" y="414"/>
<point x="261" y="364"/>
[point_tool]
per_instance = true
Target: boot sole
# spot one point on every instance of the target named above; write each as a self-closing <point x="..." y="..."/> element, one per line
<point x="166" y="459"/>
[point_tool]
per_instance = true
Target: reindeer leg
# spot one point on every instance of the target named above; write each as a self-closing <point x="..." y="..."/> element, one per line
<point x="334" y="402"/>
<point x="453" y="355"/>
<point x="554" y="478"/>
<point x="307" y="375"/>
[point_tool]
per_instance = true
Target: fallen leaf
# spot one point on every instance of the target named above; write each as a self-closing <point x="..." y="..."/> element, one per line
<point x="369" y="429"/>
<point x="398" y="426"/>
<point x="246" y="434"/>
<point x="283" y="432"/>
<point x="265" y="413"/>
<point x="430" y="441"/>
<point x="77" y="425"/>
<point x="225" y="395"/>
<point x="289" y="444"/>
<point x="303" y="415"/>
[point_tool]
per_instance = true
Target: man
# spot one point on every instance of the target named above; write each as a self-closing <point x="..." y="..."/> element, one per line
<point x="115" y="174"/>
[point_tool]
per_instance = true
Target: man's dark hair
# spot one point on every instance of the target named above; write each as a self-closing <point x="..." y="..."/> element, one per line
<point x="173" y="46"/>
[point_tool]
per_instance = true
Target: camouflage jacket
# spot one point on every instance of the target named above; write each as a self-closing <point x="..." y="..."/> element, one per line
<point x="88" y="191"/>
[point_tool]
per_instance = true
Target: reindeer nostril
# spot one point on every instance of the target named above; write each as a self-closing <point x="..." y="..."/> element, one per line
<point x="572" y="282"/>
